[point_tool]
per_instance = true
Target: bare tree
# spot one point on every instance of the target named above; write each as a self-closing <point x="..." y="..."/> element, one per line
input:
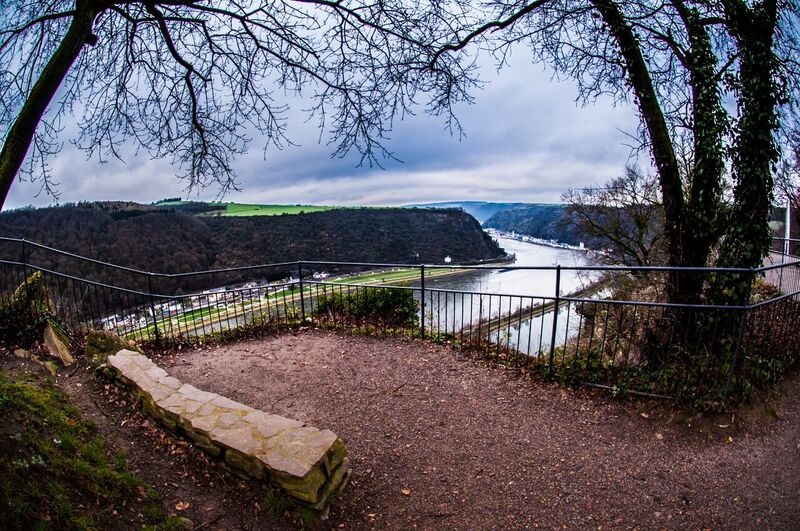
<point x="193" y="80"/>
<point x="676" y="60"/>
<point x="787" y="194"/>
<point x="626" y="216"/>
<point x="787" y="175"/>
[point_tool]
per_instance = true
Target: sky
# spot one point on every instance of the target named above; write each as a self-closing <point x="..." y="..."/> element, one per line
<point x="527" y="140"/>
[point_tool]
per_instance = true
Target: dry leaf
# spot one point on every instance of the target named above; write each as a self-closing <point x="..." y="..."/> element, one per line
<point x="182" y="506"/>
<point x="405" y="492"/>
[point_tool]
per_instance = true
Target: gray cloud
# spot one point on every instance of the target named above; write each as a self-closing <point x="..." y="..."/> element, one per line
<point x="526" y="140"/>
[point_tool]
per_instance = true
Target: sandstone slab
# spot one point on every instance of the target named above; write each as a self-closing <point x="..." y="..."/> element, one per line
<point x="308" y="463"/>
<point x="57" y="344"/>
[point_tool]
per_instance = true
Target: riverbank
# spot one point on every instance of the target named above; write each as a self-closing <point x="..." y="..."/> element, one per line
<point x="535" y="241"/>
<point x="235" y="305"/>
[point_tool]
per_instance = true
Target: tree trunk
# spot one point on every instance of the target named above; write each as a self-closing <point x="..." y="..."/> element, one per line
<point x="661" y="143"/>
<point x="747" y="238"/>
<point x="703" y="208"/>
<point x="21" y="134"/>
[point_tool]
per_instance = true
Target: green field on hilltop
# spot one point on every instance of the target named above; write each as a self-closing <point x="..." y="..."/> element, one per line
<point x="244" y="209"/>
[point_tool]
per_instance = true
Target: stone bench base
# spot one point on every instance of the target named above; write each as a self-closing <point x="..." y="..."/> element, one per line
<point x="308" y="463"/>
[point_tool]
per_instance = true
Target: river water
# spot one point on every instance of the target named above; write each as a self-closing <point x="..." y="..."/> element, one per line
<point x="465" y="302"/>
<point x="531" y="282"/>
<point x="480" y="301"/>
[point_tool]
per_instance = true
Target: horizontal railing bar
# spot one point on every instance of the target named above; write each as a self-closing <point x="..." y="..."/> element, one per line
<point x="567" y="298"/>
<point x="133" y="291"/>
<point x="773" y="300"/>
<point x="77" y="279"/>
<point x="619" y="268"/>
<point x="543" y="298"/>
<point x="226" y="270"/>
<point x="73" y="255"/>
<point x="364" y="264"/>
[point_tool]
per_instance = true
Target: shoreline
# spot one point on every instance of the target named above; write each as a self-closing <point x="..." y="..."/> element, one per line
<point x="536" y="241"/>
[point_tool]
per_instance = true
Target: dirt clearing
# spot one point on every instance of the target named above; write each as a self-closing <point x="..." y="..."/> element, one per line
<point x="439" y="441"/>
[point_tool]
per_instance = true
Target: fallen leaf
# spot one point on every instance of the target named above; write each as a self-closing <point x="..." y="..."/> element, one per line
<point x="405" y="492"/>
<point x="182" y="506"/>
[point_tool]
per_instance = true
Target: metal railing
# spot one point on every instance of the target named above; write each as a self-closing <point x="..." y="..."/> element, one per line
<point x="572" y="329"/>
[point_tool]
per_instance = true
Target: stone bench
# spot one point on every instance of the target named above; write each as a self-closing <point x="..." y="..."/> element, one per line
<point x="309" y="464"/>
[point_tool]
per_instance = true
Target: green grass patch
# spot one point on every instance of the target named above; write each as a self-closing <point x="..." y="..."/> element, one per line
<point x="171" y="203"/>
<point x="380" y="307"/>
<point x="199" y="313"/>
<point x="56" y="471"/>
<point x="245" y="209"/>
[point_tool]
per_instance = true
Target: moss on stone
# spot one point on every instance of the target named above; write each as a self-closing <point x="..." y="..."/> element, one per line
<point x="307" y="488"/>
<point x="101" y="344"/>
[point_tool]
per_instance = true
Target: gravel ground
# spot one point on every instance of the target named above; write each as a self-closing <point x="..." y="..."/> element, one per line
<point x="438" y="441"/>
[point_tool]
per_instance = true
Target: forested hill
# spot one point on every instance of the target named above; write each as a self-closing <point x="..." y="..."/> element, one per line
<point x="547" y="221"/>
<point x="480" y="210"/>
<point x="170" y="241"/>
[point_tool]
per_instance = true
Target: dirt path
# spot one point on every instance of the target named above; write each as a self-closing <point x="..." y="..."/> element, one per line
<point x="437" y="441"/>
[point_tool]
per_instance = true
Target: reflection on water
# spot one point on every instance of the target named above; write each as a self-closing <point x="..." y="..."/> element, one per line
<point x="535" y="283"/>
<point x="486" y="298"/>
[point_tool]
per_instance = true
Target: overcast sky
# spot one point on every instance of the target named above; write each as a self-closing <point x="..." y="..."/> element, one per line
<point x="526" y="140"/>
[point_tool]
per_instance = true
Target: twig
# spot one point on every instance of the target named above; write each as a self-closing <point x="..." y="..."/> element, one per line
<point x="103" y="411"/>
<point x="380" y="391"/>
<point x="438" y="515"/>
<point x="278" y="401"/>
<point x="207" y="523"/>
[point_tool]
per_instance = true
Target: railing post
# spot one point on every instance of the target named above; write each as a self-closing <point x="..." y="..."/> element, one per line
<point x="25" y="274"/>
<point x="739" y="338"/>
<point x="422" y="300"/>
<point x="153" y="308"/>
<point x="556" y="305"/>
<point x="302" y="298"/>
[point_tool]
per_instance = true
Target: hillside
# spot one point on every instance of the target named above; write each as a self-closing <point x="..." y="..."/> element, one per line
<point x="480" y="210"/>
<point x="171" y="241"/>
<point x="547" y="221"/>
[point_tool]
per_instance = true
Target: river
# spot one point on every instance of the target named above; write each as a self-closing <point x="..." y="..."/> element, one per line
<point x="477" y="300"/>
<point x="530" y="282"/>
<point x="458" y="302"/>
